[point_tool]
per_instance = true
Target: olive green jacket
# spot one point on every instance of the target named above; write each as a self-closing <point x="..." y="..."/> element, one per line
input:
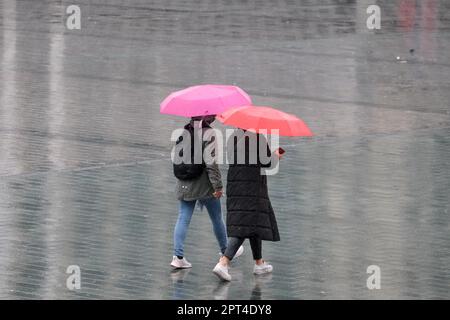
<point x="205" y="185"/>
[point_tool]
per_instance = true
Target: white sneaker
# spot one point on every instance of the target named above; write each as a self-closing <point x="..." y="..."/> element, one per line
<point x="222" y="272"/>
<point x="239" y="252"/>
<point x="262" y="268"/>
<point x="180" y="263"/>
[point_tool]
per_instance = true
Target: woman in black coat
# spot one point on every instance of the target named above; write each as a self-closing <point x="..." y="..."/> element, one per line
<point x="249" y="211"/>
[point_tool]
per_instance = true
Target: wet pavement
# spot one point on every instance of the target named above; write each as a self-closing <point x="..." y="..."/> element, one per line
<point x="85" y="173"/>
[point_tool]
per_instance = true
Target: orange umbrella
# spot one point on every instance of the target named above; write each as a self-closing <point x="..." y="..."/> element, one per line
<point x="260" y="119"/>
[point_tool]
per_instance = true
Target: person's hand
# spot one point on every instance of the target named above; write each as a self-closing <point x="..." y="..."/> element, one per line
<point x="279" y="152"/>
<point x="218" y="193"/>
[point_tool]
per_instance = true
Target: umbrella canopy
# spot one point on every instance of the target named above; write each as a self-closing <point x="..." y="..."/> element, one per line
<point x="204" y="100"/>
<point x="258" y="119"/>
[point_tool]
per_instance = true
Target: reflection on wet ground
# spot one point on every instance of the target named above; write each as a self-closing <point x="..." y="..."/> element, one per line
<point x="85" y="176"/>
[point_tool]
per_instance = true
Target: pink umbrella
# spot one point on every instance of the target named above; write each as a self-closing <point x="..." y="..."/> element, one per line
<point x="204" y="100"/>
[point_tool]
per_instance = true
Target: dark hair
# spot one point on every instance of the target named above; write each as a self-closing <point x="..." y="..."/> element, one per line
<point x="199" y="118"/>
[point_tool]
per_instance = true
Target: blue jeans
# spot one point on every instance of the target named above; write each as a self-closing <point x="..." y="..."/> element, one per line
<point x="184" y="218"/>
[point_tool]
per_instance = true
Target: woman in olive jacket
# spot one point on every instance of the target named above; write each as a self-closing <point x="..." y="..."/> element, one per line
<point x="206" y="189"/>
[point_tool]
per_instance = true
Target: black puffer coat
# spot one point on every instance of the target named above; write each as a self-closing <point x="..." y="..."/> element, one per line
<point x="249" y="211"/>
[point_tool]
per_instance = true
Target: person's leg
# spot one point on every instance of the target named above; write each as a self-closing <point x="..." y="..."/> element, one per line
<point x="260" y="267"/>
<point x="233" y="246"/>
<point x="215" y="214"/>
<point x="256" y="245"/>
<point x="221" y="268"/>
<point x="184" y="218"/>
